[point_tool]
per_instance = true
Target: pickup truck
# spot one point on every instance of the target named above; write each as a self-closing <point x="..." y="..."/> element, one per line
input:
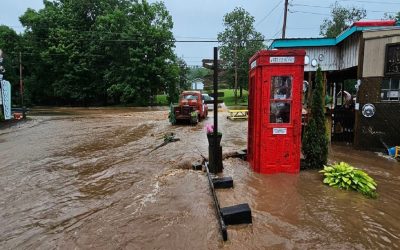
<point x="190" y="108"/>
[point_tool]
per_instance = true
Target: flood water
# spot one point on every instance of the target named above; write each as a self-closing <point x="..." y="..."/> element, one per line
<point x="74" y="178"/>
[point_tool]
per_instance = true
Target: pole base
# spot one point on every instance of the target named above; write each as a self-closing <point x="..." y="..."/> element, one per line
<point x="237" y="214"/>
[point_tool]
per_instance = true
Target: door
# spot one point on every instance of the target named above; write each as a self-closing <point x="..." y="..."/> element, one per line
<point x="282" y="112"/>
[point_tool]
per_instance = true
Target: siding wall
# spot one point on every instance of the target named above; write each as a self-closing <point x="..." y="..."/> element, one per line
<point x="375" y="49"/>
<point x="343" y="56"/>
<point x="349" y="50"/>
<point x="330" y="61"/>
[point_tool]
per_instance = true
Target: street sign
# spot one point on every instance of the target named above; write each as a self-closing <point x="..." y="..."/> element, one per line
<point x="220" y="94"/>
<point x="212" y="101"/>
<point x="209" y="63"/>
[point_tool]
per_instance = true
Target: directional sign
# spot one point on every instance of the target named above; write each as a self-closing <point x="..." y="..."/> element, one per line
<point x="220" y="94"/>
<point x="6" y="96"/>
<point x="212" y="101"/>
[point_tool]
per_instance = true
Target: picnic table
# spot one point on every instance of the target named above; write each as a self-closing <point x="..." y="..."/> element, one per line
<point x="238" y="114"/>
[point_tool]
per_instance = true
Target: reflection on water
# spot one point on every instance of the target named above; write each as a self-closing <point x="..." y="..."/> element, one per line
<point x="87" y="178"/>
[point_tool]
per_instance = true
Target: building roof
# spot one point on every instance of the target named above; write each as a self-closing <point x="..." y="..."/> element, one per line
<point x="324" y="42"/>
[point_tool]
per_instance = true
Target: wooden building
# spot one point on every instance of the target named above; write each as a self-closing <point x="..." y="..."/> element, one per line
<point x="361" y="72"/>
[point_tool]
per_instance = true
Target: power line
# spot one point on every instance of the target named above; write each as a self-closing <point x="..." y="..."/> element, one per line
<point x="362" y="1"/>
<point x="308" y="12"/>
<point x="269" y="13"/>
<point x="326" y="7"/>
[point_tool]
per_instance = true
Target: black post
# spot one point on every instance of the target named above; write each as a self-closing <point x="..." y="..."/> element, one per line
<point x="214" y="147"/>
<point x="215" y="91"/>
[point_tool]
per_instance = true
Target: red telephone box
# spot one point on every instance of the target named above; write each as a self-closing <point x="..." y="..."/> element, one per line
<point x="274" y="129"/>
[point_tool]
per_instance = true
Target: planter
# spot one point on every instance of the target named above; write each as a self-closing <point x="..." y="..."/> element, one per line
<point x="210" y="138"/>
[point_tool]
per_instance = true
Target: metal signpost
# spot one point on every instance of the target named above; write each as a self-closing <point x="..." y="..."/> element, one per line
<point x="215" y="149"/>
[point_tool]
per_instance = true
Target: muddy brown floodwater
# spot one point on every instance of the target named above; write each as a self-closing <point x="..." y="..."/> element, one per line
<point x="87" y="179"/>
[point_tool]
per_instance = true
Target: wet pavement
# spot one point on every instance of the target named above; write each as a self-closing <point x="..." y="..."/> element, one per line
<point x="74" y="178"/>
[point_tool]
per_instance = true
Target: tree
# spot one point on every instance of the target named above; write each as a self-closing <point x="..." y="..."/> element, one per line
<point x="239" y="41"/>
<point x="87" y="51"/>
<point x="184" y="70"/>
<point x="10" y="45"/>
<point x="315" y="141"/>
<point x="389" y="16"/>
<point x="341" y="19"/>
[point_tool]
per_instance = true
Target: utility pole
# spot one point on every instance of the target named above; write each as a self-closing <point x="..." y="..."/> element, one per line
<point x="21" y="86"/>
<point x="20" y="80"/>
<point x="284" y="19"/>
<point x="236" y="75"/>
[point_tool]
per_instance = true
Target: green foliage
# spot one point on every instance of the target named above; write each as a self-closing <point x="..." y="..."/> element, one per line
<point x="198" y="74"/>
<point x="350" y="86"/>
<point x="239" y="42"/>
<point x="1" y="116"/>
<point x="171" y="115"/>
<point x="77" y="50"/>
<point x="162" y="100"/>
<point x="341" y="19"/>
<point x="390" y="16"/>
<point x="344" y="176"/>
<point x="229" y="97"/>
<point x="10" y="45"/>
<point x="184" y="70"/>
<point x="121" y="93"/>
<point x="315" y="141"/>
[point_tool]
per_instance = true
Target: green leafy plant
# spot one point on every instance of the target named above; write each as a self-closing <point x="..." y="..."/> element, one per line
<point x="1" y="117"/>
<point x="344" y="176"/>
<point x="315" y="141"/>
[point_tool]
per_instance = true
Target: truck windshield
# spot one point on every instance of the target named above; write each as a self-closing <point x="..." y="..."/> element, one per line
<point x="190" y="97"/>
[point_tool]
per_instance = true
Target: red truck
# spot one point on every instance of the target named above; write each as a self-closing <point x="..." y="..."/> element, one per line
<point x="190" y="108"/>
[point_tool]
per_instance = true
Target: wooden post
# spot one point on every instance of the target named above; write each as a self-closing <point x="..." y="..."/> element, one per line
<point x="236" y="75"/>
<point x="284" y="19"/>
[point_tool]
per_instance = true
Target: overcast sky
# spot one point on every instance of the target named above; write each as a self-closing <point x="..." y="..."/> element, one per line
<point x="197" y="19"/>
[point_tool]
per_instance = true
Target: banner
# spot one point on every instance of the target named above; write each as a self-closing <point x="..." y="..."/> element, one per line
<point x="6" y="98"/>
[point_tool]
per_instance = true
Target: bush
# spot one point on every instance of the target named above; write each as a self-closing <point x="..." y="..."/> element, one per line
<point x="121" y="93"/>
<point x="315" y="141"/>
<point x="344" y="176"/>
<point x="1" y="116"/>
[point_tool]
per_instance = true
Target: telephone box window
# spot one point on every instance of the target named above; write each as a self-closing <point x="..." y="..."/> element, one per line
<point x="279" y="112"/>
<point x="281" y="98"/>
<point x="281" y="87"/>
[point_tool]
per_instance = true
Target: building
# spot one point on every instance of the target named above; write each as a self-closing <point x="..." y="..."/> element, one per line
<point x="361" y="73"/>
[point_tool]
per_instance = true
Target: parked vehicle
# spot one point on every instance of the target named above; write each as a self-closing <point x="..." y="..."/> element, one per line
<point x="190" y="108"/>
<point x="206" y="97"/>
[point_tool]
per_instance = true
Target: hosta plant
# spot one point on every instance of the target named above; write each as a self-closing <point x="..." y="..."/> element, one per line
<point x="344" y="176"/>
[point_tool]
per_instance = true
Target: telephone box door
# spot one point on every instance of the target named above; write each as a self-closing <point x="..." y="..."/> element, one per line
<point x="281" y="121"/>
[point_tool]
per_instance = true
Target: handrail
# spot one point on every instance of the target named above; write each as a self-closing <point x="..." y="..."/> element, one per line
<point x="221" y="222"/>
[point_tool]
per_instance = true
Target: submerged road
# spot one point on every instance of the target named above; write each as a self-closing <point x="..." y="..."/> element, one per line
<point x="73" y="178"/>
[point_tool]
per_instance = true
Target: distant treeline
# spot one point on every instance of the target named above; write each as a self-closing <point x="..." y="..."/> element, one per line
<point x="94" y="52"/>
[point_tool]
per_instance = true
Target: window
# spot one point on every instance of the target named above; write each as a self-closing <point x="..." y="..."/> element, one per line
<point x="190" y="97"/>
<point x="390" y="90"/>
<point x="281" y="99"/>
